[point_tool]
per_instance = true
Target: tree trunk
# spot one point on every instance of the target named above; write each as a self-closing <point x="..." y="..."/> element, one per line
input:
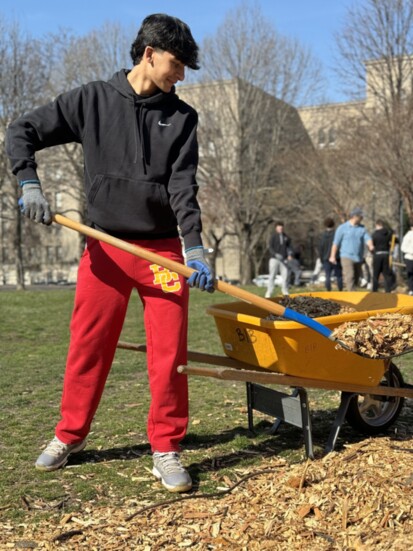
<point x="408" y="204"/>
<point x="245" y="258"/>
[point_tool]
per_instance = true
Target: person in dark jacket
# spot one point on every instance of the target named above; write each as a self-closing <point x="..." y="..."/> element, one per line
<point x="280" y="253"/>
<point x="382" y="239"/>
<point x="324" y="251"/>
<point x="140" y="156"/>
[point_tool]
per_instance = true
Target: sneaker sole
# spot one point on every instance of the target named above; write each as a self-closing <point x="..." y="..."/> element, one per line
<point x="55" y="467"/>
<point x="181" y="488"/>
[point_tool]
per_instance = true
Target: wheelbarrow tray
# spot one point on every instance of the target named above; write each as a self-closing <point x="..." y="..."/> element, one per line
<point x="289" y="348"/>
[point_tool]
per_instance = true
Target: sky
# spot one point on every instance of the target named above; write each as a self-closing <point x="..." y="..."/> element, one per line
<point x="312" y="22"/>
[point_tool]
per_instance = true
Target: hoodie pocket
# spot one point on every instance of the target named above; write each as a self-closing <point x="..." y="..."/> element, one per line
<point x="130" y="206"/>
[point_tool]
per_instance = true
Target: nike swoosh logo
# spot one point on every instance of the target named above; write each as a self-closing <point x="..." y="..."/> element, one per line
<point x="164" y="123"/>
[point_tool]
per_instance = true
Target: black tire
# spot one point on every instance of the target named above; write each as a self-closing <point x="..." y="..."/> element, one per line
<point x="372" y="414"/>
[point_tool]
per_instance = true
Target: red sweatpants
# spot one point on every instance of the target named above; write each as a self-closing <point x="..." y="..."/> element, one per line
<point x="106" y="278"/>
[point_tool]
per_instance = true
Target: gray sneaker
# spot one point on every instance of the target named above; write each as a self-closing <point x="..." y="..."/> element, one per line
<point x="56" y="454"/>
<point x="168" y="469"/>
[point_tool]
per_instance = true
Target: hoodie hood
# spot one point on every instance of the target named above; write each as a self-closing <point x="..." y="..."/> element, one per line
<point x="120" y="82"/>
<point x="139" y="106"/>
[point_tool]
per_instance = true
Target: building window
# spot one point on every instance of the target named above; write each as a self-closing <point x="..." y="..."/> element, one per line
<point x="58" y="200"/>
<point x="331" y="136"/>
<point x="50" y="254"/>
<point x="31" y="254"/>
<point x="59" y="253"/>
<point x="321" y="137"/>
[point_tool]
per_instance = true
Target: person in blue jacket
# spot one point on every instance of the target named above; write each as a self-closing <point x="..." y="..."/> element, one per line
<point x="350" y="240"/>
<point x="140" y="159"/>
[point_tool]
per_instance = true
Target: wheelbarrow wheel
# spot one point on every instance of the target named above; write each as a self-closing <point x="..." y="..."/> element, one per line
<point x="371" y="414"/>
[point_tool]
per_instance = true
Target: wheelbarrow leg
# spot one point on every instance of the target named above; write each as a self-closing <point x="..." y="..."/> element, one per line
<point x="338" y="421"/>
<point x="292" y="408"/>
<point x="306" y="423"/>
<point x="250" y="408"/>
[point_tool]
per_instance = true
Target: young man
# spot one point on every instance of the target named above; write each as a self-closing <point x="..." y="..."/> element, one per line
<point x="280" y="253"/>
<point x="324" y="250"/>
<point x="140" y="154"/>
<point x="350" y="239"/>
<point x="382" y="239"/>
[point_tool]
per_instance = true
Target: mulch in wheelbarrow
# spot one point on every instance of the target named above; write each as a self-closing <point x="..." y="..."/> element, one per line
<point x="359" y="499"/>
<point x="380" y="335"/>
<point x="388" y="334"/>
<point x="313" y="307"/>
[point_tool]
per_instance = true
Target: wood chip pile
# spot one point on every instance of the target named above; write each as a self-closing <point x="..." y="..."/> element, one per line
<point x="357" y="499"/>
<point x="381" y="335"/>
<point x="313" y="307"/>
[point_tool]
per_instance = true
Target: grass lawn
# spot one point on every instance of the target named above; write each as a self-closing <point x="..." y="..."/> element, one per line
<point x="114" y="468"/>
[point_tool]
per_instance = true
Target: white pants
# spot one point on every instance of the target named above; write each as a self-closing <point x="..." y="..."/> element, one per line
<point x="277" y="267"/>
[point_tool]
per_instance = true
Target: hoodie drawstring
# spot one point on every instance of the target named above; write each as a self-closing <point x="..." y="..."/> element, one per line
<point x="140" y="114"/>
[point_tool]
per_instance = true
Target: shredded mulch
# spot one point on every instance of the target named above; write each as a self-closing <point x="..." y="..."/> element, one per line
<point x="313" y="307"/>
<point x="377" y="336"/>
<point x="358" y="499"/>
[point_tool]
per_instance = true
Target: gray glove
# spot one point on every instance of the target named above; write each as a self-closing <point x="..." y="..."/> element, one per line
<point x="33" y="203"/>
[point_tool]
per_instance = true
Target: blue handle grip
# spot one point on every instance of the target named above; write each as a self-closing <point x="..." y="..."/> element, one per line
<point x="308" y="322"/>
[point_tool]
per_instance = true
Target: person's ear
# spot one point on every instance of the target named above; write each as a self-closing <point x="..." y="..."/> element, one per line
<point x="148" y="54"/>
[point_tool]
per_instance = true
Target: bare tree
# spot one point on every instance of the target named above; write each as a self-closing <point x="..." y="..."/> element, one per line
<point x="78" y="60"/>
<point x="23" y="77"/>
<point x="332" y="173"/>
<point x="33" y="72"/>
<point x="248" y="127"/>
<point x="376" y="49"/>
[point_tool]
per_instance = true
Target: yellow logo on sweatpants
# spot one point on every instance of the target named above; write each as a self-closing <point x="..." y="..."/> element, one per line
<point x="169" y="281"/>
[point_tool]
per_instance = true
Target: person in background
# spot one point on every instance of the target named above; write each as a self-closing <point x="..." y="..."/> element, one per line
<point x="280" y="253"/>
<point x="366" y="279"/>
<point x="407" y="250"/>
<point x="324" y="250"/>
<point x="382" y="240"/>
<point x="393" y="258"/>
<point x="294" y="267"/>
<point x="349" y="242"/>
<point x="140" y="156"/>
<point x="318" y="268"/>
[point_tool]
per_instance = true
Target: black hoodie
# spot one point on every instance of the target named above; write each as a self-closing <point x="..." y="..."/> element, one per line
<point x="382" y="240"/>
<point x="140" y="156"/>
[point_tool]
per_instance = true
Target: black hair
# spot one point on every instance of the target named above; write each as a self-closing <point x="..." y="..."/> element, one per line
<point x="329" y="222"/>
<point x="169" y="34"/>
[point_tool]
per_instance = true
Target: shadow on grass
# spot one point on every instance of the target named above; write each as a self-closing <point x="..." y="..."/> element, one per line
<point x="287" y="442"/>
<point x="125" y="453"/>
<point x="286" y="438"/>
<point x="195" y="442"/>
